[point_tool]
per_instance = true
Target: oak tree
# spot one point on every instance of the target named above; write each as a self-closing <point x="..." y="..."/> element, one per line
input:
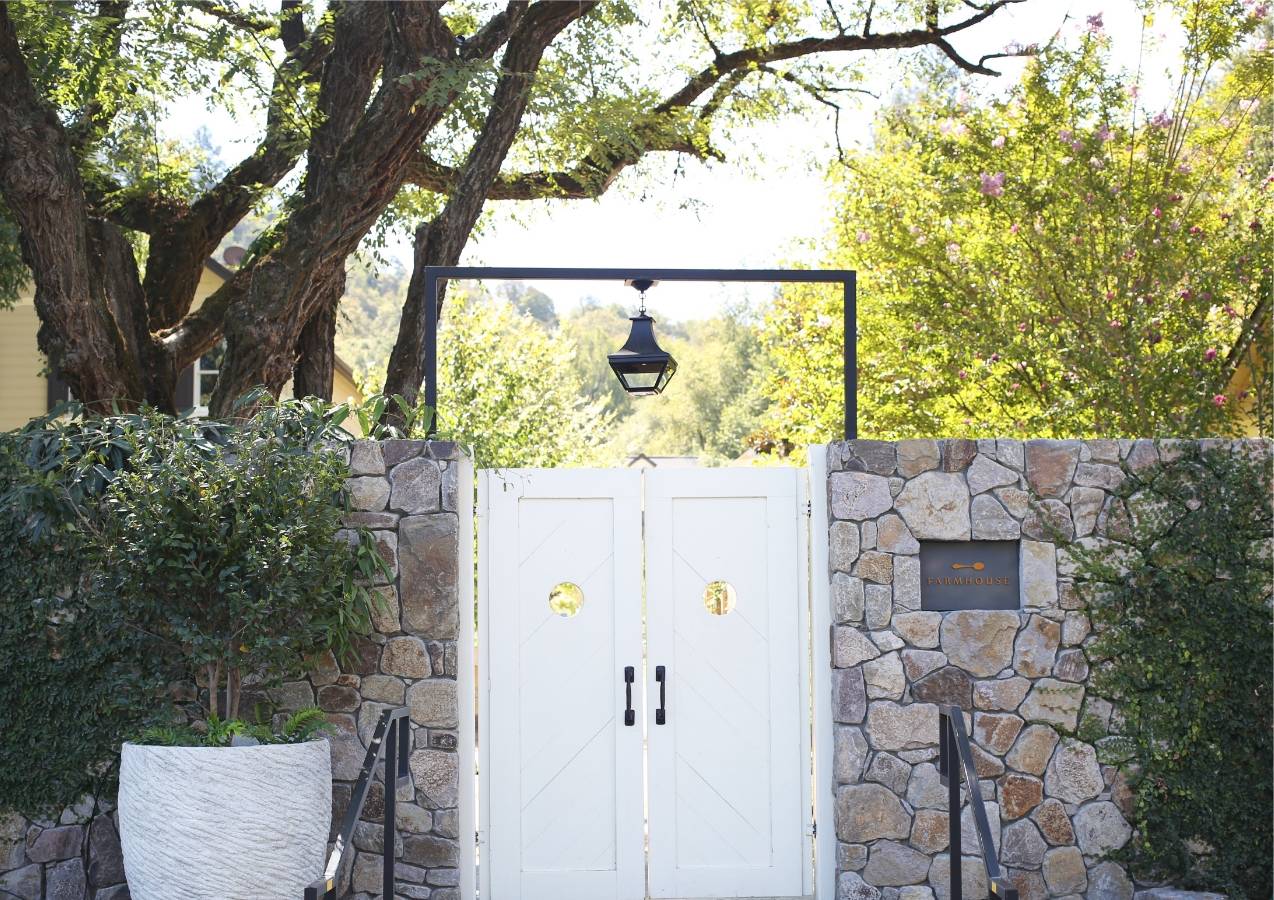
<point x="418" y="111"/>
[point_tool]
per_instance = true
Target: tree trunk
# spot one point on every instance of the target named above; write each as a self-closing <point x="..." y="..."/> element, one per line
<point x="316" y="350"/>
<point x="440" y="242"/>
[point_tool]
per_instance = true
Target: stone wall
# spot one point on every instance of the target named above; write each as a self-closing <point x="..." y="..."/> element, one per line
<point x="407" y="493"/>
<point x="1021" y="676"/>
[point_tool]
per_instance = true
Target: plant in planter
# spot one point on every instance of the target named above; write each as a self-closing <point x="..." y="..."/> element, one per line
<point x="229" y="555"/>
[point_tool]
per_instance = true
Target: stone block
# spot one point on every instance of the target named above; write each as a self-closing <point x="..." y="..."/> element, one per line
<point x="850" y="886"/>
<point x="894" y="727"/>
<point x="1033" y="749"/>
<point x="368" y="494"/>
<point x="433" y="703"/>
<point x="893" y="535"/>
<point x="879" y="606"/>
<point x="884" y="678"/>
<point x="848" y="599"/>
<point x="50" y="844"/>
<point x="436" y="775"/>
<point x="869" y="812"/>
<point x="428" y="551"/>
<point x="1019" y="794"/>
<point x="417" y="487"/>
<point x="1022" y="846"/>
<point x="844" y="546"/>
<point x="991" y="521"/>
<point x="890" y="771"/>
<point x="935" y="506"/>
<point x="916" y="456"/>
<point x="1054" y="703"/>
<point x="996" y="731"/>
<point x="920" y="629"/>
<point x="859" y="495"/>
<point x="979" y="641"/>
<point x="925" y="790"/>
<point x="849" y="754"/>
<point x="849" y="696"/>
<point x="1050" y="466"/>
<point x="948" y="685"/>
<point x="1053" y="822"/>
<point x="65" y="881"/>
<point x="919" y="663"/>
<point x="1108" y="880"/>
<point x="1001" y="694"/>
<point x="1064" y="871"/>
<point x="1039" y="574"/>
<point x="1073" y="775"/>
<point x="907" y="582"/>
<point x="875" y="566"/>
<point x="973" y="884"/>
<point x="1035" y="650"/>
<point x="406" y="657"/>
<point x="1100" y="829"/>
<point x="957" y="453"/>
<point x="850" y="647"/>
<point x="893" y="864"/>
<point x="365" y="458"/>
<point x="983" y="475"/>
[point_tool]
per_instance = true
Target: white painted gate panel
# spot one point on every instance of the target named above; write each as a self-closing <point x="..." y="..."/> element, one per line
<point x="565" y="789"/>
<point x="728" y="805"/>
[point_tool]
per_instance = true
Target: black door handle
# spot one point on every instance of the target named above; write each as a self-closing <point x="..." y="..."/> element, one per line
<point x="630" y="718"/>
<point x="661" y="717"/>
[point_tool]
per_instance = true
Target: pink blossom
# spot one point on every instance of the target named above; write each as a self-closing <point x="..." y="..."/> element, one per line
<point x="1186" y="294"/>
<point x="1209" y="354"/>
<point x="863" y="237"/>
<point x="1175" y="198"/>
<point x="953" y="251"/>
<point x="1015" y="385"/>
<point x="1095" y="24"/>
<point x="1157" y="213"/>
<point x="992" y="185"/>
<point x="998" y="141"/>
<point x="1077" y="146"/>
<point x="1231" y="311"/>
<point x="1104" y="133"/>
<point x="1219" y="400"/>
<point x="995" y="357"/>
<point x="962" y="374"/>
<point x="1097" y="162"/>
<point x="1015" y="228"/>
<point x="952" y="128"/>
<point x="1022" y="326"/>
<point x="1110" y="295"/>
<point x="1196" y="230"/>
<point x="1066" y="135"/>
<point x="1134" y="91"/>
<point x="1162" y="120"/>
<point x="1115" y="323"/>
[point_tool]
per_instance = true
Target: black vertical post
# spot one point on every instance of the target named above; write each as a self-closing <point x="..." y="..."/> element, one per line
<point x="953" y="808"/>
<point x="390" y="840"/>
<point x="431" y="348"/>
<point x="851" y="357"/>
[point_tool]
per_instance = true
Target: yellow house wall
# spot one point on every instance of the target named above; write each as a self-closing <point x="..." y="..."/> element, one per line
<point x="24" y="388"/>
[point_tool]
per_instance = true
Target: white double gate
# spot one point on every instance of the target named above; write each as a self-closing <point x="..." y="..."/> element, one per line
<point x="646" y="684"/>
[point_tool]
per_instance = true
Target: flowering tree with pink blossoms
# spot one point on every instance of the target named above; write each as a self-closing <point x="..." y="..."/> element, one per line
<point x="1061" y="261"/>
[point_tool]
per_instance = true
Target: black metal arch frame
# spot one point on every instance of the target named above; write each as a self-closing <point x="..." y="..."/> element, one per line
<point x="847" y="278"/>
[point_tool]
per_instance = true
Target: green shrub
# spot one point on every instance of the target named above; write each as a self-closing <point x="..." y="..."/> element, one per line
<point x="140" y="552"/>
<point x="1181" y="606"/>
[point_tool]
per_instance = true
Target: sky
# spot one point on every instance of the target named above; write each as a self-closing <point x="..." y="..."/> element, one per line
<point x="721" y="215"/>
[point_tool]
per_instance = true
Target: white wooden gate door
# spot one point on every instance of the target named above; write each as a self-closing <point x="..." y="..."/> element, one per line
<point x="722" y="690"/>
<point x="565" y="779"/>
<point x="729" y="758"/>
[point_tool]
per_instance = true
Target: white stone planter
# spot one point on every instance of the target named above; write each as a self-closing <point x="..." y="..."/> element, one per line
<point x="224" y="822"/>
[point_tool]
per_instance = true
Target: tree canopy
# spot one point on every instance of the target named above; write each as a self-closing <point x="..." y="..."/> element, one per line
<point x="1060" y="261"/>
<point x="372" y="114"/>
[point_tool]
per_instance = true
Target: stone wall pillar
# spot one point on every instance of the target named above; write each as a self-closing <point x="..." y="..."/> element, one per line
<point x="406" y="492"/>
<point x="1021" y="676"/>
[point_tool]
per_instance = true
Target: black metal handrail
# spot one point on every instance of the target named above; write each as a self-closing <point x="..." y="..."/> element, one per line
<point x="391" y="740"/>
<point x="953" y="741"/>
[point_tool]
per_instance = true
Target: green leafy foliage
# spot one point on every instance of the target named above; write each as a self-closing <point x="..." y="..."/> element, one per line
<point x="140" y="552"/>
<point x="1059" y="262"/>
<point x="303" y="725"/>
<point x="1180" y="601"/>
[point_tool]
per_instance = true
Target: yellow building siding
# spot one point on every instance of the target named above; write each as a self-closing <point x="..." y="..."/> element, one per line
<point x="24" y="393"/>
<point x="24" y="389"/>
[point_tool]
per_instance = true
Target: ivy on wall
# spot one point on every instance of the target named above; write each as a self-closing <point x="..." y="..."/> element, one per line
<point x="1180" y="599"/>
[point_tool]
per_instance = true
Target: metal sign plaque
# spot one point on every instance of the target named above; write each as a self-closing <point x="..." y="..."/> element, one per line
<point x="969" y="575"/>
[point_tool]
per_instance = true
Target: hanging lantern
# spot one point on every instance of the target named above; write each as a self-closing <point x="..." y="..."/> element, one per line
<point x="641" y="365"/>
